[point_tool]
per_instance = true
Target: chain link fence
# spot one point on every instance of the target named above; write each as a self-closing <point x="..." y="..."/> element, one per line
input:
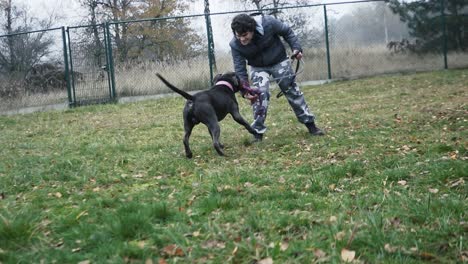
<point x="101" y="63"/>
<point x="32" y="70"/>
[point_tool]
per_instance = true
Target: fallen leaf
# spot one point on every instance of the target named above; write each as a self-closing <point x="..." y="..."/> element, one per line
<point x="284" y="246"/>
<point x="248" y="185"/>
<point x="427" y="256"/>
<point x="402" y="182"/>
<point x="213" y="244"/>
<point x="395" y="221"/>
<point x="464" y="256"/>
<point x="266" y="261"/>
<point x="58" y="195"/>
<point x="234" y="251"/>
<point x="340" y="235"/>
<point x="84" y="262"/>
<point x="390" y="249"/>
<point x="433" y="190"/>
<point x="455" y="183"/>
<point x="319" y="253"/>
<point x="162" y="261"/>
<point x="347" y="255"/>
<point x="333" y="219"/>
<point x="173" y="250"/>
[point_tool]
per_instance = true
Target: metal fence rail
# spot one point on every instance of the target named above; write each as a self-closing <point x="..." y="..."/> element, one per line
<point x="100" y="63"/>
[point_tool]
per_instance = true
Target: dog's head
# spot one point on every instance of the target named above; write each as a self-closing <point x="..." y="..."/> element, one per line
<point x="230" y="77"/>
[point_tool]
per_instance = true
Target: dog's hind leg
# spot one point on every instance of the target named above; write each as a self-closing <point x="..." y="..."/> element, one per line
<point x="215" y="131"/>
<point x="188" y="132"/>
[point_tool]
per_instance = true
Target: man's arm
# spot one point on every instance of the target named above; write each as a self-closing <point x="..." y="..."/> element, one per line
<point x="287" y="33"/>
<point x="239" y="65"/>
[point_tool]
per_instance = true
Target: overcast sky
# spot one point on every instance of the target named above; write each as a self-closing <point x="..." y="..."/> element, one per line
<point x="71" y="13"/>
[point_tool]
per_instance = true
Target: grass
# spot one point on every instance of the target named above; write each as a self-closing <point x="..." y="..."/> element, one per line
<point x="110" y="183"/>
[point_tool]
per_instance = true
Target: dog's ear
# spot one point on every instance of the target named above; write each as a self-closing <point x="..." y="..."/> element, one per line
<point x="236" y="80"/>
<point x="217" y="77"/>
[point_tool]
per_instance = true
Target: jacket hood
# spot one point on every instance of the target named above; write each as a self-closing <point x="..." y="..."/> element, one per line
<point x="259" y="21"/>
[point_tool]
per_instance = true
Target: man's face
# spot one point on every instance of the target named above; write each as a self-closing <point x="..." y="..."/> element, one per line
<point x="245" y="38"/>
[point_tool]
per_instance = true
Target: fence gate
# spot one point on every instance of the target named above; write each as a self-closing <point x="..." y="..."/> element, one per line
<point x="91" y="66"/>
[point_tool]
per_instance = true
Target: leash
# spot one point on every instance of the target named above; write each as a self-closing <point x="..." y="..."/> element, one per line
<point x="298" y="71"/>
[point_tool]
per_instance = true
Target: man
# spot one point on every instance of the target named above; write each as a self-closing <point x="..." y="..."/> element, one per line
<point x="257" y="42"/>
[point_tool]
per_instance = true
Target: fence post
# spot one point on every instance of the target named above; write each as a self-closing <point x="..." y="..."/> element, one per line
<point x="70" y="54"/>
<point x="110" y="60"/>
<point x="327" y="42"/>
<point x="67" y="72"/>
<point x="209" y="31"/>
<point x="444" y="32"/>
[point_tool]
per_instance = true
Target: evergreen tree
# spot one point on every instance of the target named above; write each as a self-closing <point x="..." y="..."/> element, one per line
<point x="427" y="25"/>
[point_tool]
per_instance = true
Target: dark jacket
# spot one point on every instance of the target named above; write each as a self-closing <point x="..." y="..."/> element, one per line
<point x="266" y="48"/>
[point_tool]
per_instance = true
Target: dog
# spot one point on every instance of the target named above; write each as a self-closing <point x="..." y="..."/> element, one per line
<point x="210" y="107"/>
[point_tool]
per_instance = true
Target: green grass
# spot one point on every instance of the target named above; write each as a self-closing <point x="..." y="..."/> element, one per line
<point x="110" y="183"/>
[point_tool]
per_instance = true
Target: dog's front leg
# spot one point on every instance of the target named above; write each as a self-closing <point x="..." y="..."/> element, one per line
<point x="239" y="119"/>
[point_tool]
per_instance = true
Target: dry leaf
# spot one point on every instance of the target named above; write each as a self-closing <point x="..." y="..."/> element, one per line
<point x="319" y="253"/>
<point x="162" y="261"/>
<point x="390" y="249"/>
<point x="248" y="185"/>
<point x="173" y="250"/>
<point x="340" y="235"/>
<point x="266" y="261"/>
<point x="234" y="251"/>
<point x="333" y="219"/>
<point x="84" y="262"/>
<point x="284" y="246"/>
<point x="347" y="255"/>
<point x="433" y="190"/>
<point x="455" y="183"/>
<point x="213" y="244"/>
<point x="58" y="195"/>
<point x="402" y="182"/>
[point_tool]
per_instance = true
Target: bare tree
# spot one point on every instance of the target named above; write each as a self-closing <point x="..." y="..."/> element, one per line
<point x="18" y="51"/>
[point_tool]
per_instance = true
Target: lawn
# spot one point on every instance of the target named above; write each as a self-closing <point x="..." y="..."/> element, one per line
<point x="111" y="184"/>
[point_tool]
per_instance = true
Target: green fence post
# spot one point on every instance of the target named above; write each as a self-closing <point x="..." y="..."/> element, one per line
<point x="327" y="41"/>
<point x="444" y="32"/>
<point x="70" y="54"/>
<point x="110" y="60"/>
<point x="67" y="72"/>
<point x="209" y="31"/>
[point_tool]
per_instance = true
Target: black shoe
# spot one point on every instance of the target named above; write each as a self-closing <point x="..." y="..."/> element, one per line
<point x="258" y="138"/>
<point x="314" y="130"/>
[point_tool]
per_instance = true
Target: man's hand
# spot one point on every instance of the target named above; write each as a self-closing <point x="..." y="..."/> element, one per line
<point x="251" y="97"/>
<point x="297" y="54"/>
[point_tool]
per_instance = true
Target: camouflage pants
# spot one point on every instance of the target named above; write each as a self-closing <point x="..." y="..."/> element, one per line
<point x="260" y="80"/>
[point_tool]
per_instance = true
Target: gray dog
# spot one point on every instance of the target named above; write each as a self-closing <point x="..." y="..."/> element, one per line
<point x="211" y="106"/>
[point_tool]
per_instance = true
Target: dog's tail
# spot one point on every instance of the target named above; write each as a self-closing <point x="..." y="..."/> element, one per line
<point x="175" y="89"/>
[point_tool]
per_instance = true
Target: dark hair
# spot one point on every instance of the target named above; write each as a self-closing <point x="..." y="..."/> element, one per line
<point x="243" y="23"/>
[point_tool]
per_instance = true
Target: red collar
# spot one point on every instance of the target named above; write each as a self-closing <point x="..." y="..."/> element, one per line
<point x="225" y="83"/>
